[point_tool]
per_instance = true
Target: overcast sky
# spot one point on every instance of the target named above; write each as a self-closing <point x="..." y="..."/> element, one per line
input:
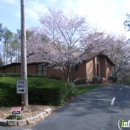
<point x="106" y="14"/>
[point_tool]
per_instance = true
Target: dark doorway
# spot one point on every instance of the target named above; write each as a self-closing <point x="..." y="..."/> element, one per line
<point x="97" y="70"/>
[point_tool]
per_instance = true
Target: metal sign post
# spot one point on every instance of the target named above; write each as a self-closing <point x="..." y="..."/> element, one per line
<point x="22" y="89"/>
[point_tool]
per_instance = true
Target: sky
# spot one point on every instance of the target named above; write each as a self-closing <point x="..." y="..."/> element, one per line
<point x="106" y="15"/>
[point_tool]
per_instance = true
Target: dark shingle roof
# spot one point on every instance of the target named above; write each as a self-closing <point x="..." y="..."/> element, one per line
<point x="86" y="58"/>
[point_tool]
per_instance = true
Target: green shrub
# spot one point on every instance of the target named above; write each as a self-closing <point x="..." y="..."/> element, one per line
<point x="113" y="79"/>
<point x="10" y="75"/>
<point x="41" y="91"/>
<point x="127" y="82"/>
<point x="18" y="75"/>
<point x="96" y="80"/>
<point x="51" y="95"/>
<point x="54" y="77"/>
<point x="8" y="96"/>
<point x="80" y="81"/>
<point x="70" y="91"/>
<point x="34" y="75"/>
<point x="14" y="117"/>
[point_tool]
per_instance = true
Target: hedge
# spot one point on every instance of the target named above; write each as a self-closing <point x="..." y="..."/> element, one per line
<point x="41" y="91"/>
<point x="18" y="75"/>
<point x="114" y="79"/>
<point x="79" y="81"/>
<point x="8" y="96"/>
<point x="96" y="80"/>
<point x="51" y="95"/>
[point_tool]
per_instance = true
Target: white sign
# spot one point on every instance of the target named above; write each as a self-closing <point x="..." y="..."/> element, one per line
<point x="21" y="86"/>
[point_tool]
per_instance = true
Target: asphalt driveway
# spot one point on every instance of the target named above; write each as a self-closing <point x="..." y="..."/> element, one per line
<point x="98" y="109"/>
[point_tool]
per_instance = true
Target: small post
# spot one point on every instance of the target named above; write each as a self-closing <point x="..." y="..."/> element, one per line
<point x="22" y="102"/>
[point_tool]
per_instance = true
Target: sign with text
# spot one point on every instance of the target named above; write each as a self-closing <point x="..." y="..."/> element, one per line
<point x="16" y="110"/>
<point x="21" y="86"/>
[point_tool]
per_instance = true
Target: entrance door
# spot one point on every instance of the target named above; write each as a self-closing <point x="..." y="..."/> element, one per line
<point x="97" y="70"/>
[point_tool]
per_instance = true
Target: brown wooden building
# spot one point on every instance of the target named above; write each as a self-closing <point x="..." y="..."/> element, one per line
<point x="95" y="65"/>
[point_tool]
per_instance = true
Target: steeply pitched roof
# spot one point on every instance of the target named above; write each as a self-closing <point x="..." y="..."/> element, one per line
<point x="108" y="59"/>
<point x="99" y="54"/>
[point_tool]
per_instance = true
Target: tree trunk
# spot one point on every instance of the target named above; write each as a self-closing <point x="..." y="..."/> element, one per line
<point x="68" y="78"/>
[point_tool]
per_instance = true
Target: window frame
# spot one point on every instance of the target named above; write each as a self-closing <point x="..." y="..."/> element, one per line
<point x="42" y="70"/>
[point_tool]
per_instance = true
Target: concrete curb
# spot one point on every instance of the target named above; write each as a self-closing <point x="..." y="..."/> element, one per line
<point x="33" y="120"/>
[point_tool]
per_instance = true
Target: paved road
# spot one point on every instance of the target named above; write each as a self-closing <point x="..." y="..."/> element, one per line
<point x="99" y="109"/>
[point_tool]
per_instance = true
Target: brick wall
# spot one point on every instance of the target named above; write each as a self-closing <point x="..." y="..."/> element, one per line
<point x="16" y="68"/>
<point x="9" y="69"/>
<point x="32" y="69"/>
<point x="81" y="73"/>
<point x="55" y="72"/>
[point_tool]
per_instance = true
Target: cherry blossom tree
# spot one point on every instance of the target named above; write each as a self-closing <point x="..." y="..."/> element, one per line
<point x="118" y="50"/>
<point x="127" y="22"/>
<point x="64" y="40"/>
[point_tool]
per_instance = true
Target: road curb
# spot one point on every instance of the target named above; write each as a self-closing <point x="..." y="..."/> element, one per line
<point x="33" y="120"/>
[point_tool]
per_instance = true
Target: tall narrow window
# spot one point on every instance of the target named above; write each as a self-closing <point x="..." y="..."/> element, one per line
<point x="42" y="70"/>
<point x="97" y="70"/>
<point x="76" y="68"/>
<point x="39" y="70"/>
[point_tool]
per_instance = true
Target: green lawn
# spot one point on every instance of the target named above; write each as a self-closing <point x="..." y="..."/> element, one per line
<point x="82" y="90"/>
